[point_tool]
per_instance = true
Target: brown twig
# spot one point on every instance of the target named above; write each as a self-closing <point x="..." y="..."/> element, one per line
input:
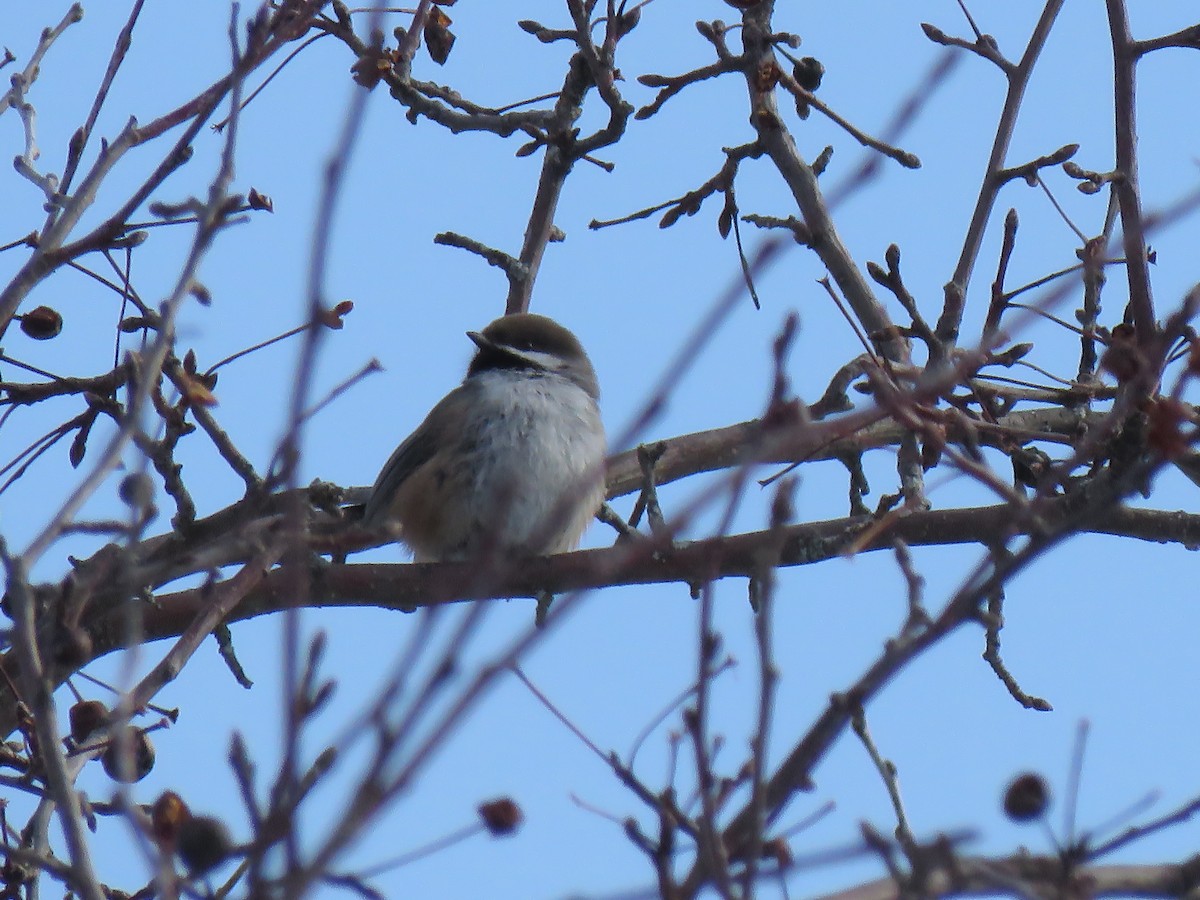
<point x="1018" y="80"/>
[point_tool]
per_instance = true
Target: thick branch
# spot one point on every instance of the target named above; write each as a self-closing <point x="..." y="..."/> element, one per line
<point x="981" y="875"/>
<point x="1137" y="266"/>
<point x="408" y="586"/>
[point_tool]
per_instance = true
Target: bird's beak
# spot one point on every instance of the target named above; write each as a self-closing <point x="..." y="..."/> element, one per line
<point x="480" y="341"/>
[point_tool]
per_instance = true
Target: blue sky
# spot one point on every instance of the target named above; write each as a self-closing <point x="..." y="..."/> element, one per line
<point x="1102" y="628"/>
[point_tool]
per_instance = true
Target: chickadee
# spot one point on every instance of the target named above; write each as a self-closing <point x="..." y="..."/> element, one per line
<point x="509" y="462"/>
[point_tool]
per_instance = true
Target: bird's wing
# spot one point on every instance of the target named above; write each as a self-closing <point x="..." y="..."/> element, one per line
<point x="416" y="450"/>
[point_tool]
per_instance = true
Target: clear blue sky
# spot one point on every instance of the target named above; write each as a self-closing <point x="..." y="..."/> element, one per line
<point x="1104" y="629"/>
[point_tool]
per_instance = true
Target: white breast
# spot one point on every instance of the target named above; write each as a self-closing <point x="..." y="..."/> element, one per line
<point x="536" y="476"/>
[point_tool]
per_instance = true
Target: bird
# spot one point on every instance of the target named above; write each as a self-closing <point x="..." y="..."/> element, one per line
<point x="510" y="462"/>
